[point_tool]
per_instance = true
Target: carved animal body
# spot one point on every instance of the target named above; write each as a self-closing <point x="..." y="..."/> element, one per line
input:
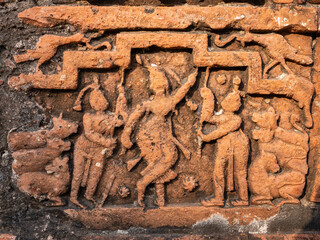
<point x="31" y="140"/>
<point x="34" y="150"/>
<point x="290" y="148"/>
<point x="265" y="185"/>
<point x="292" y="86"/>
<point x="259" y="172"/>
<point x="42" y="185"/>
<point x="276" y="47"/>
<point x="33" y="160"/>
<point x="290" y="156"/>
<point x="47" y="48"/>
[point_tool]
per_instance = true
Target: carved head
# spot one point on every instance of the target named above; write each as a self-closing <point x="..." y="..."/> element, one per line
<point x="267" y="119"/>
<point x="97" y="100"/>
<point x="58" y="165"/>
<point x="232" y="102"/>
<point x="58" y="144"/>
<point x="158" y="80"/>
<point x="271" y="162"/>
<point x="63" y="128"/>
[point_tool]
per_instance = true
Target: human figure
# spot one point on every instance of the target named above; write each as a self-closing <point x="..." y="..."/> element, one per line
<point x="232" y="153"/>
<point x="95" y="144"/>
<point x="154" y="137"/>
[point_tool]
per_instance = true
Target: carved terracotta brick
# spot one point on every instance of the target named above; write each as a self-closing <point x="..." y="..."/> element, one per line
<point x="171" y="116"/>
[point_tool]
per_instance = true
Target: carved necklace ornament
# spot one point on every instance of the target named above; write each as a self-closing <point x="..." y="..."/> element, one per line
<point x="170" y="122"/>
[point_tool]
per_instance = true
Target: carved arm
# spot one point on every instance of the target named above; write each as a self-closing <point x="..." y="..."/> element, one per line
<point x="94" y="136"/>
<point x="231" y="124"/>
<point x="133" y="118"/>
<point x="182" y="91"/>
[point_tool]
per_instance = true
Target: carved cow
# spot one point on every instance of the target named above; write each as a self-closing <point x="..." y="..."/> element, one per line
<point x="33" y="160"/>
<point x="32" y="151"/>
<point x="30" y="140"/>
<point x="50" y="185"/>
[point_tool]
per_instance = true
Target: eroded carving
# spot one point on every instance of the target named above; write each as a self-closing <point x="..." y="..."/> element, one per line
<point x="193" y="112"/>
<point x="232" y="152"/>
<point x="41" y="172"/>
<point x="97" y="142"/>
<point x="50" y="185"/>
<point x="275" y="46"/>
<point x="155" y="138"/>
<point x="281" y="148"/>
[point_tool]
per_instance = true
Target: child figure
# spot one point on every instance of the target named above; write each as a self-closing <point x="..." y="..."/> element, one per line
<point x="232" y="153"/>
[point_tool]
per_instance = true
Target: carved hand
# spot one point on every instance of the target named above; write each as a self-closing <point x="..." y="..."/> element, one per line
<point x="111" y="142"/>
<point x="201" y="134"/>
<point x="193" y="76"/>
<point x="125" y="140"/>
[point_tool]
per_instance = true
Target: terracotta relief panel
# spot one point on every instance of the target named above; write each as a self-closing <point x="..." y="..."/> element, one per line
<point x="163" y="116"/>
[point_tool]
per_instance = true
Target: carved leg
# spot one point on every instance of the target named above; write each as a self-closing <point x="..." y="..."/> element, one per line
<point x="309" y="121"/>
<point x="158" y="169"/>
<point x="285" y="193"/>
<point x="184" y="150"/>
<point x="298" y="58"/>
<point x="260" y="200"/>
<point x="141" y="188"/>
<point x="104" y="44"/>
<point x="160" y="201"/>
<point x="46" y="57"/>
<point x="78" y="170"/>
<point x="289" y="201"/>
<point x="241" y="155"/>
<point x="56" y="201"/>
<point x="285" y="66"/>
<point x="307" y="111"/>
<point x="149" y="177"/>
<point x="219" y="175"/>
<point x="96" y="170"/>
<point x="268" y="67"/>
<point x="303" y="91"/>
<point x="212" y="202"/>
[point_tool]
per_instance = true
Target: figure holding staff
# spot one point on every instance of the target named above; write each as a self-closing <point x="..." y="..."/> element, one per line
<point x="232" y="151"/>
